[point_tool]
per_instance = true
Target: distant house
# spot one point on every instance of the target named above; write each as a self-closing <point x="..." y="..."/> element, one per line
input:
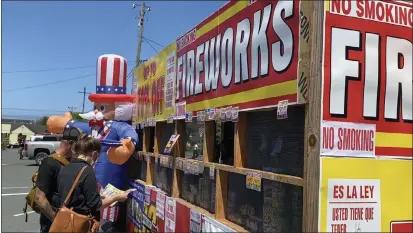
<point x="5" y="133"/>
<point x="27" y="130"/>
<point x="16" y="121"/>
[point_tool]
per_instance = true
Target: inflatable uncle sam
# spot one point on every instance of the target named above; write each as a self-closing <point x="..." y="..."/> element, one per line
<point x="110" y="122"/>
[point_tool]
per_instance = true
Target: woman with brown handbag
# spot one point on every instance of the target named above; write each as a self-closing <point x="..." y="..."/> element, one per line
<point x="78" y="192"/>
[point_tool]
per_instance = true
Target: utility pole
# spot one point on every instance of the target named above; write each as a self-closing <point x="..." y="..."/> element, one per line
<point x="84" y="98"/>
<point x="71" y="109"/>
<point x="144" y="9"/>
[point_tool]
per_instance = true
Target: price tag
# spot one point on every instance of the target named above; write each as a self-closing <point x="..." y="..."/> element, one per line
<point x="282" y="109"/>
<point x="187" y="167"/>
<point x="150" y="122"/>
<point x="201" y="168"/>
<point x="253" y="181"/>
<point x="217" y="114"/>
<point x="170" y="162"/>
<point x="201" y="130"/>
<point x="188" y="117"/>
<point x="170" y="118"/>
<point x="228" y="114"/>
<point x="210" y="114"/>
<point x="201" y="117"/>
<point x="212" y="172"/>
<point x="195" y="168"/>
<point x="222" y="114"/>
<point x="235" y="114"/>
<point x="179" y="164"/>
<point x="162" y="161"/>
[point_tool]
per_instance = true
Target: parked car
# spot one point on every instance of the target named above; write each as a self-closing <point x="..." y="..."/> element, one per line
<point x="38" y="150"/>
<point x="32" y="139"/>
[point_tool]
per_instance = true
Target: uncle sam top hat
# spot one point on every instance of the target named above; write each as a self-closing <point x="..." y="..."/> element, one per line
<point x="111" y="80"/>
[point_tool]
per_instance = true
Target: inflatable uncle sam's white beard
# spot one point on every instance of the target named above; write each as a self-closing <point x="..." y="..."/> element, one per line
<point x="123" y="112"/>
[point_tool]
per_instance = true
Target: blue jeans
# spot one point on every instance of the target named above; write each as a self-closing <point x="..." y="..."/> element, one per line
<point x="45" y="223"/>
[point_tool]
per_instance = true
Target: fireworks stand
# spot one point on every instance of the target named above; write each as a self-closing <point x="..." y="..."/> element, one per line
<point x="278" y="116"/>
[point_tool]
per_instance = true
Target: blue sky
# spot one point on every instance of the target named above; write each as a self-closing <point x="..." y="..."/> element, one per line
<point x="59" y="35"/>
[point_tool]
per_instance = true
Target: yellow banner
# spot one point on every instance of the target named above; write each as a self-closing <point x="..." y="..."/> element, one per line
<point x="364" y="195"/>
<point x="155" y="88"/>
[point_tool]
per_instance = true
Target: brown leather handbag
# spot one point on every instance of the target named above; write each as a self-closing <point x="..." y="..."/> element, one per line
<point x="67" y="220"/>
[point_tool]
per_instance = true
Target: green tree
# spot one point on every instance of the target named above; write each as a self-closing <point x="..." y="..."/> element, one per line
<point x="3" y="145"/>
<point x="42" y="120"/>
<point x="76" y="117"/>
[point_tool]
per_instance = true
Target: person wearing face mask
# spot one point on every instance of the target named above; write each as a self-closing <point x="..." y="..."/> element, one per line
<point x="45" y="195"/>
<point x="109" y="121"/>
<point x="85" y="199"/>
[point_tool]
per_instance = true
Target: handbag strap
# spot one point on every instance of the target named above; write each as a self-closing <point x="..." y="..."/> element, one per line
<point x="74" y="185"/>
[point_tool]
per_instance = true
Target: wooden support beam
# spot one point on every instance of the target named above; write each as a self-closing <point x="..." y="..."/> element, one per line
<point x="180" y="144"/>
<point x="221" y="194"/>
<point x="158" y="133"/>
<point x="209" y="141"/>
<point x="146" y="140"/>
<point x="240" y="141"/>
<point x="312" y="123"/>
<point x="178" y="151"/>
<point x="150" y="170"/>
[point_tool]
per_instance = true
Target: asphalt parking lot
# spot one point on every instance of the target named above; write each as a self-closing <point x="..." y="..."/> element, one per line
<point x="16" y="183"/>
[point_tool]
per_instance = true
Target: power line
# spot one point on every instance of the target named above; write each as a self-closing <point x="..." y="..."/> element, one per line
<point x="65" y="80"/>
<point x="44" y="70"/>
<point x="154" y="42"/>
<point x="129" y="75"/>
<point x="53" y="69"/>
<point x="60" y="81"/>
<point x="34" y="110"/>
<point x="51" y="83"/>
<point x="156" y="51"/>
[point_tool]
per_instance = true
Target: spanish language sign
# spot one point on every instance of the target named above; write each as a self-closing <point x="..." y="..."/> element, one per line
<point x="353" y="205"/>
<point x="367" y="73"/>
<point x="365" y="195"/>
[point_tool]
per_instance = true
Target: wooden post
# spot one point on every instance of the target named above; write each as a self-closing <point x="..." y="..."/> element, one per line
<point x="178" y="151"/>
<point x="312" y="123"/>
<point x="158" y="132"/>
<point x="209" y="141"/>
<point x="221" y="194"/>
<point x="146" y="140"/>
<point x="150" y="164"/>
<point x="240" y="141"/>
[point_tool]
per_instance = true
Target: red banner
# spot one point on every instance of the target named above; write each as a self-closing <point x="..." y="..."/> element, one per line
<point x="238" y="49"/>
